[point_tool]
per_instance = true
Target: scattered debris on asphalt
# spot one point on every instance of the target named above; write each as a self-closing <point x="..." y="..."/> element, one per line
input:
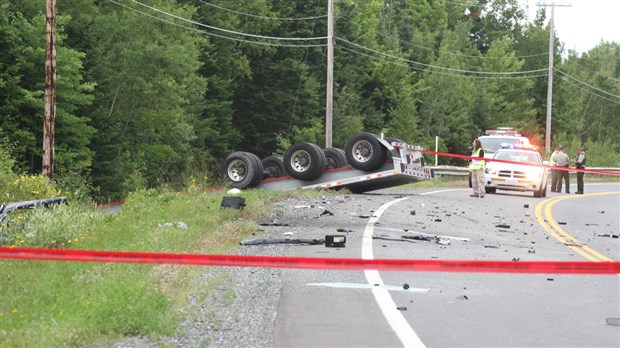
<point x="561" y="223"/>
<point x="526" y="206"/>
<point x="405" y="286"/>
<point x="502" y="226"/>
<point x="463" y="297"/>
<point x="401" y="308"/>
<point x="343" y="230"/>
<point x="491" y="246"/>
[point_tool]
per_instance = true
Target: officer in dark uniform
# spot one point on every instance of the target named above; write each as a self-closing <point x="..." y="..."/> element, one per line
<point x="580" y="163"/>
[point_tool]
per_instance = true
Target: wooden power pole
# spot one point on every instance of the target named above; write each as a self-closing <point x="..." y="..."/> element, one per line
<point x="550" y="75"/>
<point x="50" y="89"/>
<point x="329" y="103"/>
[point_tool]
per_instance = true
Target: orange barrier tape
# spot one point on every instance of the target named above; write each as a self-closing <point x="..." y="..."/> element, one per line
<point x="475" y="266"/>
<point x="601" y="172"/>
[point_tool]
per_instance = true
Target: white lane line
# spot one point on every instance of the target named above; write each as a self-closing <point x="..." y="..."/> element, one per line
<point x="397" y="321"/>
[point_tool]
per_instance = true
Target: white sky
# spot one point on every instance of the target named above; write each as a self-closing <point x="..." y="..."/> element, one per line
<point x="583" y="25"/>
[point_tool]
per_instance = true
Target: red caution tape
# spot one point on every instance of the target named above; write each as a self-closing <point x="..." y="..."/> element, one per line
<point x="549" y="267"/>
<point x="600" y="172"/>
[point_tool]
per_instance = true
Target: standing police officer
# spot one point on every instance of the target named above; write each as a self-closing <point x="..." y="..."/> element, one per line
<point x="580" y="163"/>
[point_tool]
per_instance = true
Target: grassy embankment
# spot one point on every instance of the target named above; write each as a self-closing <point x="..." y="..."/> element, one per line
<point x="51" y="304"/>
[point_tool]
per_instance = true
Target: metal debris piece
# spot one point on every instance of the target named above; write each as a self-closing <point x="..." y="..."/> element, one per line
<point x="491" y="246"/>
<point x="502" y="226"/>
<point x="364" y="216"/>
<point x="266" y="241"/>
<point x="326" y="212"/>
<point x="179" y="224"/>
<point x="613" y="321"/>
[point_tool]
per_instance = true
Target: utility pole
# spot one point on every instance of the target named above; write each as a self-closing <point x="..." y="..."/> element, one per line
<point x="329" y="103"/>
<point x="550" y="75"/>
<point x="49" y="122"/>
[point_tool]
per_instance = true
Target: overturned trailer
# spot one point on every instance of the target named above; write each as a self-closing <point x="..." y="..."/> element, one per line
<point x="368" y="163"/>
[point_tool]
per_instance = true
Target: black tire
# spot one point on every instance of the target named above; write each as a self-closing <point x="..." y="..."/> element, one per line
<point x="242" y="169"/>
<point x="365" y="152"/>
<point x="273" y="167"/>
<point x="335" y="158"/>
<point x="304" y="161"/>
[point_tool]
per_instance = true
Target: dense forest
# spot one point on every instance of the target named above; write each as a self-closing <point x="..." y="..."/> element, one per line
<point x="157" y="92"/>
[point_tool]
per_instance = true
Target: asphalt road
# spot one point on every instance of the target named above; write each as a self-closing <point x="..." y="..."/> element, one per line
<point x="373" y="309"/>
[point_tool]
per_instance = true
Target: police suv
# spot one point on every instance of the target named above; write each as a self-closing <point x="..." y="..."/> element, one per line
<point x="508" y="174"/>
<point x="494" y="139"/>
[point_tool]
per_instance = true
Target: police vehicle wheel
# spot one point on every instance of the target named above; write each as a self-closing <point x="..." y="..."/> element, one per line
<point x="273" y="167"/>
<point x="304" y="161"/>
<point x="242" y="169"/>
<point x="365" y="152"/>
<point x="335" y="158"/>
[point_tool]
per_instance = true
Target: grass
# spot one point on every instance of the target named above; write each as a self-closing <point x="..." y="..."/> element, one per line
<point x="49" y="303"/>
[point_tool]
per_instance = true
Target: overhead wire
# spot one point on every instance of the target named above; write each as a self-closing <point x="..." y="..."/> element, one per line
<point x="438" y="72"/>
<point x="440" y="67"/>
<point x="261" y="17"/>
<point x="217" y="35"/>
<point x="588" y="91"/>
<point x="595" y="72"/>
<point x="226" y="30"/>
<point x="586" y="84"/>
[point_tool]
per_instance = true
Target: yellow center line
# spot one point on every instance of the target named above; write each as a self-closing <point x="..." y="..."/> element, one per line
<point x="543" y="212"/>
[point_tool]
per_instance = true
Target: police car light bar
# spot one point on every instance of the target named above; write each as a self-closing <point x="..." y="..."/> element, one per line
<point x="501" y="131"/>
<point x="519" y="146"/>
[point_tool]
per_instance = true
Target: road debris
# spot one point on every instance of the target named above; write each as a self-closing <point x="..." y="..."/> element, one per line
<point x="405" y="286"/>
<point x="463" y="297"/>
<point x="326" y="212"/>
<point x="403" y="308"/>
<point x="502" y="226"/>
<point x="343" y="230"/>
<point x="266" y="241"/>
<point x="179" y="224"/>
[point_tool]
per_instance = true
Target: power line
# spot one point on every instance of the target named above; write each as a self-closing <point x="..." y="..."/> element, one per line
<point x="584" y="83"/>
<point x="437" y="72"/>
<point x="229" y="31"/>
<point x="216" y="35"/>
<point x="588" y="91"/>
<point x="261" y="17"/>
<point x="441" y="67"/>
<point x="447" y="52"/>
<point x="595" y="72"/>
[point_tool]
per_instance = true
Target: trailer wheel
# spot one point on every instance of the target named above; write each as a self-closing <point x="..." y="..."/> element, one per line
<point x="365" y="152"/>
<point x="335" y="157"/>
<point x="273" y="167"/>
<point x="304" y="161"/>
<point x="242" y="169"/>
